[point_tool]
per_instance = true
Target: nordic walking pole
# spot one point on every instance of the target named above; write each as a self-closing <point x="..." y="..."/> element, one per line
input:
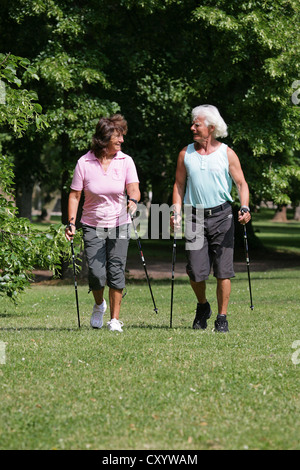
<point x="247" y="261"/>
<point x="75" y="277"/>
<point x="173" y="272"/>
<point x="143" y="261"/>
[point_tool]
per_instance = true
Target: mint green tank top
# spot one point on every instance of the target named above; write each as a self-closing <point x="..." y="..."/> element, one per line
<point x="208" y="180"/>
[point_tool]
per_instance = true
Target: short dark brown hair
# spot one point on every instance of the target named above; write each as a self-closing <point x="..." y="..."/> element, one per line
<point x="104" y="130"/>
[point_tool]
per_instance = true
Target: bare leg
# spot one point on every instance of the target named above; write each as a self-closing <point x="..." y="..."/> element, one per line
<point x="199" y="288"/>
<point x="98" y="296"/>
<point x="115" y="299"/>
<point x="223" y="294"/>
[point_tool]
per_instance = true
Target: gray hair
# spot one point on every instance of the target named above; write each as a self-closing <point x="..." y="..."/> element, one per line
<point x="212" y="117"/>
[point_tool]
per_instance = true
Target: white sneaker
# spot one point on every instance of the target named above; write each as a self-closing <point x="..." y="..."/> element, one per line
<point x="97" y="315"/>
<point x="115" y="325"/>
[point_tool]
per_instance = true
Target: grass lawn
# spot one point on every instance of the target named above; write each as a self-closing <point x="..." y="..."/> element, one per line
<point x="284" y="237"/>
<point x="152" y="387"/>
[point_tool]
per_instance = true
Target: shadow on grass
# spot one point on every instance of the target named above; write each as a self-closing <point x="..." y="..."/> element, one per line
<point x="83" y="327"/>
<point x="40" y="328"/>
<point x="158" y="327"/>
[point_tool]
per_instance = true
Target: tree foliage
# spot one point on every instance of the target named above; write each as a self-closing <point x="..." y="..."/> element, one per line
<point x="65" y="63"/>
<point x="67" y="59"/>
<point x="261" y="59"/>
<point x="22" y="247"/>
<point x="19" y="108"/>
<point x="241" y="56"/>
<point x="156" y="59"/>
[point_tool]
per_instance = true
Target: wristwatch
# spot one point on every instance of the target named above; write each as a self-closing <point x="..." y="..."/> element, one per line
<point x="244" y="209"/>
<point x="133" y="200"/>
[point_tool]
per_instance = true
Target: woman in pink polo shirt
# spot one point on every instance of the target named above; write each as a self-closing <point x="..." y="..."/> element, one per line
<point x="107" y="176"/>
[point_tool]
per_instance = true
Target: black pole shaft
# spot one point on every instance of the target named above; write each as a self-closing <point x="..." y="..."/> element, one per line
<point x="143" y="262"/>
<point x="248" y="265"/>
<point x="173" y="274"/>
<point x="75" y="282"/>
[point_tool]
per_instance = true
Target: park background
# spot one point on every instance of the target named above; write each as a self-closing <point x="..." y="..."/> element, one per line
<point x="63" y="64"/>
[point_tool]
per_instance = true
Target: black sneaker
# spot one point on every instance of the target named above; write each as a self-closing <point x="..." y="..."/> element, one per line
<point x="221" y="324"/>
<point x="203" y="313"/>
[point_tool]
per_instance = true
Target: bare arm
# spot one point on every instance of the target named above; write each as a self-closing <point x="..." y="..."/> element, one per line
<point x="237" y="175"/>
<point x="179" y="185"/>
<point x="73" y="203"/>
<point x="133" y="192"/>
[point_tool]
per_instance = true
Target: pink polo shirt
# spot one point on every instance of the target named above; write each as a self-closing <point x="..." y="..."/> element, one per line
<point x="105" y="199"/>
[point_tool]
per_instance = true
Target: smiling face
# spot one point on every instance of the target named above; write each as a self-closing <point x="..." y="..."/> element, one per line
<point x="201" y="132"/>
<point x="115" y="143"/>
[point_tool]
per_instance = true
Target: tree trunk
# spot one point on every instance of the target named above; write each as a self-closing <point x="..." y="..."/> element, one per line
<point x="24" y="200"/>
<point x="280" y="214"/>
<point x="49" y="206"/>
<point x="297" y="213"/>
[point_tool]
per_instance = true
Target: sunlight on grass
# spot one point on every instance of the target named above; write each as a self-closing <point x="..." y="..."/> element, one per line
<point x="152" y="387"/>
<point x="284" y="237"/>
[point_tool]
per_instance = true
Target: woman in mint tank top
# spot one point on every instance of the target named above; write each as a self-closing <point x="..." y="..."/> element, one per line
<point x="205" y="171"/>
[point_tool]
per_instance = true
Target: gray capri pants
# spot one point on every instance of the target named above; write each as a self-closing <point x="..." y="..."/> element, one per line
<point x="217" y="249"/>
<point x="106" y="251"/>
